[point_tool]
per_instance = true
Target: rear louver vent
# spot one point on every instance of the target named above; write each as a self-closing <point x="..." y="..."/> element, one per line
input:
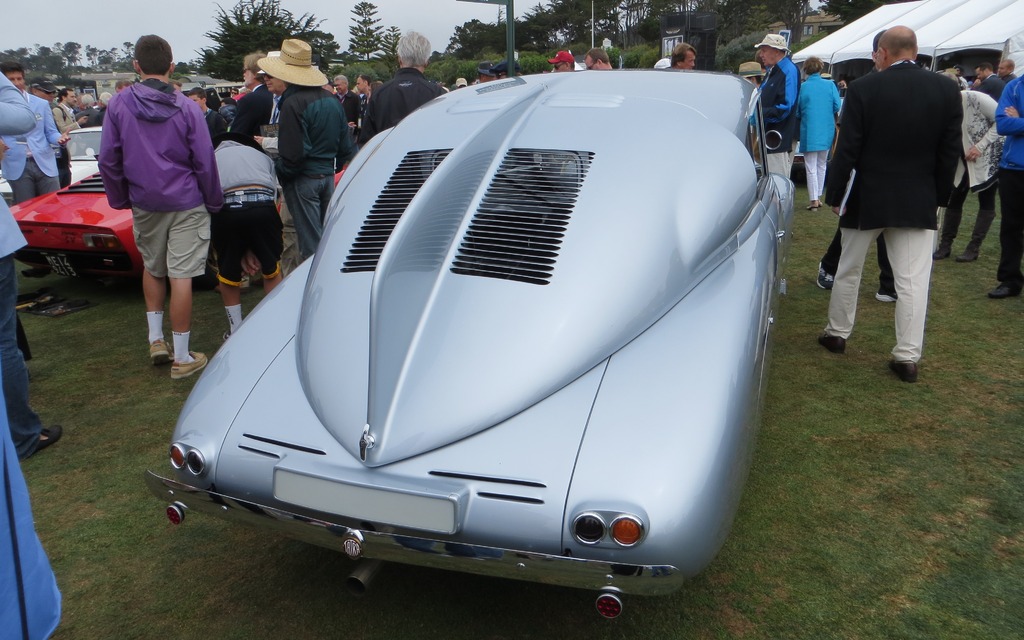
<point x="403" y="185"/>
<point x="92" y="184"/>
<point x="517" y="231"/>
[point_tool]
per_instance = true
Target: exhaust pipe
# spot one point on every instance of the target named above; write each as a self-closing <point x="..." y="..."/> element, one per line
<point x="359" y="580"/>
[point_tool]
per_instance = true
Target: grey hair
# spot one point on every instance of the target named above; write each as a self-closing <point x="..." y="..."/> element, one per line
<point x="414" y="49"/>
<point x="342" y="78"/>
<point x="87" y="99"/>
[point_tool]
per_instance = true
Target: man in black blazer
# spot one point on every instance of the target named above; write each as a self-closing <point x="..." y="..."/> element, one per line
<point x="253" y="109"/>
<point x="900" y="133"/>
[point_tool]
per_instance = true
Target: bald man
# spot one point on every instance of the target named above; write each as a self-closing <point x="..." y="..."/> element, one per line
<point x="900" y="132"/>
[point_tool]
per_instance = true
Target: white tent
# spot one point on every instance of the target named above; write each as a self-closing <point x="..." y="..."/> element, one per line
<point x="868" y="25"/>
<point x="990" y="33"/>
<point x="942" y="27"/>
<point x="918" y="19"/>
<point x="1014" y="50"/>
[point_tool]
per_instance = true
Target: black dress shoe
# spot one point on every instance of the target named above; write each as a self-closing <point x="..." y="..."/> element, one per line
<point x="48" y="436"/>
<point x="907" y="371"/>
<point x="835" y="344"/>
<point x="1003" y="291"/>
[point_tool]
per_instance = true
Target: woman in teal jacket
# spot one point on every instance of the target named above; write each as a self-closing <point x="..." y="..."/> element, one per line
<point x="817" y="108"/>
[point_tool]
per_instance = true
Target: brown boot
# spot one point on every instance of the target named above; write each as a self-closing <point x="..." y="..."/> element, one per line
<point x="950" y="225"/>
<point x="981" y="226"/>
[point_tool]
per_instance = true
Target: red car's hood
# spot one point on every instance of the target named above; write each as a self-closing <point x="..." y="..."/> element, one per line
<point x="80" y="204"/>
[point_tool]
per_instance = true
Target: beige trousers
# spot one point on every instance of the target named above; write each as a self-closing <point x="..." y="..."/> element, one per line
<point x="910" y="253"/>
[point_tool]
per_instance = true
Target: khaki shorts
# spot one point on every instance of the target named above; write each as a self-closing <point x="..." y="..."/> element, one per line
<point x="173" y="243"/>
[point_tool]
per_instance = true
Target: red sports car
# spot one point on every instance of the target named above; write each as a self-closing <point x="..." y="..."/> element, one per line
<point x="74" y="232"/>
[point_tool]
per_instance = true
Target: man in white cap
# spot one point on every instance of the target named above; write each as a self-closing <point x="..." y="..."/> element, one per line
<point x="779" y="91"/>
<point x="313" y="138"/>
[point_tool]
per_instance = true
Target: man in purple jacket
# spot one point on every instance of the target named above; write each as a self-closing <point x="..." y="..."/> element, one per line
<point x="157" y="159"/>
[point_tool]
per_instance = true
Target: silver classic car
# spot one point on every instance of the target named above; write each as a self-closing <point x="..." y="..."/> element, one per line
<point x="532" y="344"/>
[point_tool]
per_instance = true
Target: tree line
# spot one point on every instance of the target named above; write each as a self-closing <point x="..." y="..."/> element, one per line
<point x="252" y="25"/>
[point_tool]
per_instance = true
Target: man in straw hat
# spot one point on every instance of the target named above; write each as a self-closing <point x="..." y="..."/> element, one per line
<point x="406" y="92"/>
<point x="313" y="138"/>
<point x="752" y="71"/>
<point x="779" y="91"/>
<point x="156" y="158"/>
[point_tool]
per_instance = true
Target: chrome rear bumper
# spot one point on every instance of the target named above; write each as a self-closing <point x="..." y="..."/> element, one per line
<point x="390" y="547"/>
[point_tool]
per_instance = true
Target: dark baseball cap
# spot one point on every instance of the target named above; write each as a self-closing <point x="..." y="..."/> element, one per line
<point x="44" y="85"/>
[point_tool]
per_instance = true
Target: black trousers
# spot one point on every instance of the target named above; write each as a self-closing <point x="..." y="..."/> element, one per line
<point x="1011" y="228"/>
<point x="830" y="262"/>
<point x="64" y="167"/>
<point x="986" y="198"/>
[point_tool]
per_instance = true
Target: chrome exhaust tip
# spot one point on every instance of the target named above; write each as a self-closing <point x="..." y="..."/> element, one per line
<point x="359" y="580"/>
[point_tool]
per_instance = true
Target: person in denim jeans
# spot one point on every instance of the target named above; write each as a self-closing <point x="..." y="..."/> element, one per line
<point x="27" y="431"/>
<point x="314" y="140"/>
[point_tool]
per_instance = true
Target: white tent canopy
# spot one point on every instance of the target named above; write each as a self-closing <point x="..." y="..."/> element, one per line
<point x="868" y="25"/>
<point x="990" y="33"/>
<point x="942" y="26"/>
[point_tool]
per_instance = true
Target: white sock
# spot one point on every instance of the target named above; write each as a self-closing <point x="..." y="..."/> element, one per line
<point x="155" y="320"/>
<point x="181" y="354"/>
<point x="234" y="317"/>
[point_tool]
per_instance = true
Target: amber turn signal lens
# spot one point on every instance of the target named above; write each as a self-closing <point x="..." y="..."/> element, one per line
<point x="177" y="456"/>
<point x="627" y="531"/>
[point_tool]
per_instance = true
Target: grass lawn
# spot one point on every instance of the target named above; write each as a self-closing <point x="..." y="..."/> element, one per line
<point x="874" y="508"/>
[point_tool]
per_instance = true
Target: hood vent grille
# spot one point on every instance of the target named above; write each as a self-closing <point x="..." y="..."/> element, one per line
<point x="517" y="232"/>
<point x="92" y="184"/>
<point x="399" y="191"/>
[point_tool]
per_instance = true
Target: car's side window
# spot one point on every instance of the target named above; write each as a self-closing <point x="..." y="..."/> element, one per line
<point x="756" y="138"/>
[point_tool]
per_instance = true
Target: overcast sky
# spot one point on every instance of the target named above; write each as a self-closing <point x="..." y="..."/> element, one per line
<point x="108" y="23"/>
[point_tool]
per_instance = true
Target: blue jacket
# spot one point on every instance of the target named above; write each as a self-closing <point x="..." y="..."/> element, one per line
<point x="779" y="93"/>
<point x="15" y="119"/>
<point x="38" y="140"/>
<point x="1012" y="128"/>
<point x="817" y="107"/>
<point x="27" y="586"/>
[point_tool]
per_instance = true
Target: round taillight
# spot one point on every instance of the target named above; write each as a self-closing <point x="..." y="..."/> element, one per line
<point x="588" y="528"/>
<point x="195" y="462"/>
<point x="627" y="531"/>
<point x="177" y="456"/>
<point x="175" y="513"/>
<point x="609" y="605"/>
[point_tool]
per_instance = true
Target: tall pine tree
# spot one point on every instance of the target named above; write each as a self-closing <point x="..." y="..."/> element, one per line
<point x="366" y="36"/>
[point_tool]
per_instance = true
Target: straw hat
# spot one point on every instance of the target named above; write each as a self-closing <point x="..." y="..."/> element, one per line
<point x="748" y="69"/>
<point x="294" y="65"/>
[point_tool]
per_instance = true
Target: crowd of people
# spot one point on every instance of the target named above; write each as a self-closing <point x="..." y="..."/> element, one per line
<point x="899" y="147"/>
<point x="903" y="145"/>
